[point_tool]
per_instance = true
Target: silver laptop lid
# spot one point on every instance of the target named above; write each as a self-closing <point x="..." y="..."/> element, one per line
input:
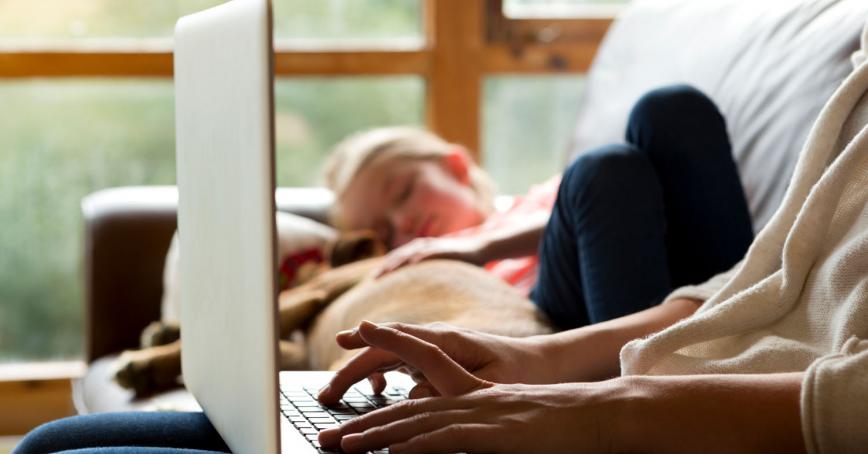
<point x="225" y="161"/>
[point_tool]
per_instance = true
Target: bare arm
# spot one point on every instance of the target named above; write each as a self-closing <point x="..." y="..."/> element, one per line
<point x="514" y="240"/>
<point x="715" y="413"/>
<point x="592" y="352"/>
<point x="584" y="354"/>
<point x="507" y="241"/>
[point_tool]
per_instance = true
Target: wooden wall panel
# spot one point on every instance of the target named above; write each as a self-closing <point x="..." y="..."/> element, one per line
<point x="31" y="394"/>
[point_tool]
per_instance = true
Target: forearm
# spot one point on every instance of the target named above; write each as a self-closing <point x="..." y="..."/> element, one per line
<point x="592" y="352"/>
<point x="712" y="413"/>
<point x="514" y="240"/>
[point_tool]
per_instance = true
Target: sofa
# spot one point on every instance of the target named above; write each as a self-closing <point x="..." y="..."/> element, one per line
<point x="769" y="65"/>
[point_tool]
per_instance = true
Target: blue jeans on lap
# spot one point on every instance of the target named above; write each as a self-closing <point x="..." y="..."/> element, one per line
<point x="634" y="221"/>
<point x="134" y="432"/>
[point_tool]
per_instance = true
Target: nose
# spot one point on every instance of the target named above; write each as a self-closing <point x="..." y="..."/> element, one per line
<point x="403" y="226"/>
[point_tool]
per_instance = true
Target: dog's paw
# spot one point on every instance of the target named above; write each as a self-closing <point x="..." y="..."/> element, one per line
<point x="141" y="372"/>
<point x="159" y="333"/>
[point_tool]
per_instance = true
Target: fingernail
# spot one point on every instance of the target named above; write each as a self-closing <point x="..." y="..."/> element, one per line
<point x="368" y="324"/>
<point x="348" y="441"/>
<point x="325" y="390"/>
<point x="329" y="437"/>
<point x="347" y="332"/>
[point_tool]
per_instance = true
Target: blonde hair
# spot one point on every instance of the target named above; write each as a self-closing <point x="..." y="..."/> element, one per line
<point x="359" y="150"/>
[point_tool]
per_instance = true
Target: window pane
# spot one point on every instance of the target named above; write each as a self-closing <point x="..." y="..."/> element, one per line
<point x="527" y="125"/>
<point x="560" y="8"/>
<point x="68" y="138"/>
<point x="74" y="21"/>
<point x="312" y="115"/>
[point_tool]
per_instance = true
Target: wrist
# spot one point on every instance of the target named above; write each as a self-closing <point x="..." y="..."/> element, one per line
<point x="636" y="425"/>
<point x="483" y="251"/>
<point x="589" y="353"/>
<point x="690" y="413"/>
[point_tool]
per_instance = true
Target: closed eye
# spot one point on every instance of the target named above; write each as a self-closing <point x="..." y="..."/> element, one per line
<point x="407" y="189"/>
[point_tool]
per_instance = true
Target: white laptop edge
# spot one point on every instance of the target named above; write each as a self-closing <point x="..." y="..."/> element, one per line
<point x="225" y="154"/>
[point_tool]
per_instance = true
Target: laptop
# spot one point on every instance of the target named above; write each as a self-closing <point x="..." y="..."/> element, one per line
<point x="226" y="223"/>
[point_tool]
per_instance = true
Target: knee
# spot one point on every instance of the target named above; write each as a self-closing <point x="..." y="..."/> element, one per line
<point x="667" y="107"/>
<point x="604" y="171"/>
<point x="44" y="438"/>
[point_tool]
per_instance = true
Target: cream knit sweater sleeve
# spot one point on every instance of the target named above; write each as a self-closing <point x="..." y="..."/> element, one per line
<point x="834" y="406"/>
<point x="703" y="292"/>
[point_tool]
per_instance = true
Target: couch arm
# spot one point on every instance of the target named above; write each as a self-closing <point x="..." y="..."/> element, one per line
<point x="127" y="234"/>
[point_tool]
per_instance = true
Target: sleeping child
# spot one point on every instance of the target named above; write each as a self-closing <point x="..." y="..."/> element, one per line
<point x="632" y="220"/>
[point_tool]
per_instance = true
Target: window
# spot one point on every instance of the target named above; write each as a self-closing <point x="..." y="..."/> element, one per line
<point x="74" y="135"/>
<point x="527" y="125"/>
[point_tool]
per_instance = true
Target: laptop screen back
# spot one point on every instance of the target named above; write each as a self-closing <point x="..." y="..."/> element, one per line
<point x="225" y="161"/>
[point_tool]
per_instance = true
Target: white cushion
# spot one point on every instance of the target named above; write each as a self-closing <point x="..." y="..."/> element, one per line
<point x="770" y="65"/>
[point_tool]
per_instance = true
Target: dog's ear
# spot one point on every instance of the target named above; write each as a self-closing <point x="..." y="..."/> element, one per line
<point x="356" y="245"/>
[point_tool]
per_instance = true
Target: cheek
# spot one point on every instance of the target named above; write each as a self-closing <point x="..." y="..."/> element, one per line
<point x="438" y="194"/>
<point x="452" y="203"/>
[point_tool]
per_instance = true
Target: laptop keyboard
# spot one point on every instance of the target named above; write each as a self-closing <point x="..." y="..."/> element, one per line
<point x="298" y="404"/>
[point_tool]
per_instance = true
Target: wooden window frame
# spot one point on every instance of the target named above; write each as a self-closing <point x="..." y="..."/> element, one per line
<point x="465" y="41"/>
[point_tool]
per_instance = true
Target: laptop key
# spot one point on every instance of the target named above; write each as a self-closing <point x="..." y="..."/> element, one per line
<point x="321" y="420"/>
<point x="339" y="406"/>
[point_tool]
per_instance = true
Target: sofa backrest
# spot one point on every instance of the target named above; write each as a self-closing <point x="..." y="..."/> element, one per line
<point x="770" y="65"/>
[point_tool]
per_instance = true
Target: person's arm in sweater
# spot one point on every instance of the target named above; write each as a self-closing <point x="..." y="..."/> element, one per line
<point x="834" y="414"/>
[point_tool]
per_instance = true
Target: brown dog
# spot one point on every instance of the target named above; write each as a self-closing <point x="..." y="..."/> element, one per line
<point x="340" y="298"/>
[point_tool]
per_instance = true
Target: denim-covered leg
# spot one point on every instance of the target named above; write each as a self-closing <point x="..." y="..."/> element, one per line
<point x="170" y="432"/>
<point x="602" y="255"/>
<point x="135" y="450"/>
<point x="708" y="223"/>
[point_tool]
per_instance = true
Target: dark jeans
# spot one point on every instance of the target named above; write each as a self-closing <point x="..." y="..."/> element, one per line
<point x="140" y="433"/>
<point x="630" y="223"/>
<point x="636" y="220"/>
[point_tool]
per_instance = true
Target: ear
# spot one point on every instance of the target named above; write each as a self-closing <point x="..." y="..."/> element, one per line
<point x="458" y="163"/>
<point x="354" y="246"/>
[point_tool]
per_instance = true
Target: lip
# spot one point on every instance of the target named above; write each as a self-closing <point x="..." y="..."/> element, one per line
<point x="425" y="229"/>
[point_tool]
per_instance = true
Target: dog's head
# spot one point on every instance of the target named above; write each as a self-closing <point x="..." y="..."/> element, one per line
<point x="355" y="245"/>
